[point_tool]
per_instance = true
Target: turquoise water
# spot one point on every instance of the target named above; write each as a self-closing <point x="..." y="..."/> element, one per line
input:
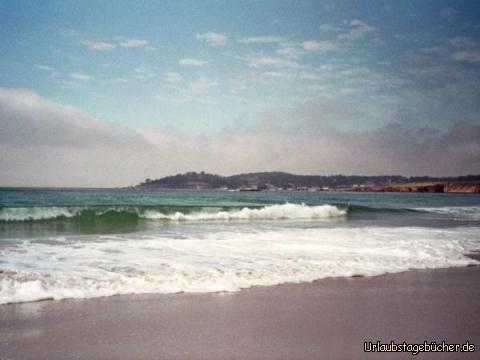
<point x="33" y="212"/>
<point x="75" y="243"/>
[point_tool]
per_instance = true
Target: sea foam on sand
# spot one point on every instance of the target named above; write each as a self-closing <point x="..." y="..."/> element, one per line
<point x="93" y="266"/>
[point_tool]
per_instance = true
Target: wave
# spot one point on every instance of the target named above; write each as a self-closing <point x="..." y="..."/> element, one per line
<point x="272" y="212"/>
<point x="36" y="213"/>
<point x="87" y="267"/>
<point x="354" y="208"/>
<point x="122" y="213"/>
<point x="171" y="213"/>
<point x="457" y="212"/>
<point x="453" y="212"/>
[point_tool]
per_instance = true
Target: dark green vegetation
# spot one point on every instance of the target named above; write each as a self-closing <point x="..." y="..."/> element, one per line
<point x="281" y="180"/>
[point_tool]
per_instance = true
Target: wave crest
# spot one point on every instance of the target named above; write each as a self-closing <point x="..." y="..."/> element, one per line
<point x="273" y="212"/>
<point x="37" y="213"/>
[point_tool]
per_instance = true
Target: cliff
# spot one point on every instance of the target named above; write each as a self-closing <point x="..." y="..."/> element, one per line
<point x="465" y="187"/>
<point x="433" y="187"/>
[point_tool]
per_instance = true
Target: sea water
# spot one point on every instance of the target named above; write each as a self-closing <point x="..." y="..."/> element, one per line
<point x="84" y="243"/>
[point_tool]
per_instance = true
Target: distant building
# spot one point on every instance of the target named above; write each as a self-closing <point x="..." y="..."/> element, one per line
<point x="249" y="188"/>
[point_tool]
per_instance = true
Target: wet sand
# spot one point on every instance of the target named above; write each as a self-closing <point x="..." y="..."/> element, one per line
<point x="326" y="319"/>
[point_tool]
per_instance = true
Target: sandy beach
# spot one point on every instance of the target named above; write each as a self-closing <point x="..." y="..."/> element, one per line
<point x="326" y="319"/>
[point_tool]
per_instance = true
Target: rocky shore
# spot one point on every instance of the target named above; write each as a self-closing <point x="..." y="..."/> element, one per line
<point x="433" y="187"/>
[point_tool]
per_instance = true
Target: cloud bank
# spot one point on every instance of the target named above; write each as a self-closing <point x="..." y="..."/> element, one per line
<point x="47" y="144"/>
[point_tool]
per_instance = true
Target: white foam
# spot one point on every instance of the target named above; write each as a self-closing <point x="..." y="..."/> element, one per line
<point x="272" y="212"/>
<point x="88" y="267"/>
<point x="282" y="211"/>
<point x="36" y="213"/>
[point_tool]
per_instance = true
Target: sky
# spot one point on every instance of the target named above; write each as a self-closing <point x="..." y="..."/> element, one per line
<point x="108" y="93"/>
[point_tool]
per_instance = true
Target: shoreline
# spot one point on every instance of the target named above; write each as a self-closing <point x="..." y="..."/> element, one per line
<point x="327" y="318"/>
<point x="474" y="255"/>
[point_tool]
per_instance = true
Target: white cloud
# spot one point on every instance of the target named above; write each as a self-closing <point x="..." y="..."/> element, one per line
<point x="322" y="46"/>
<point x="358" y="30"/>
<point x="46" y="144"/>
<point x="266" y="61"/>
<point x="132" y="43"/>
<point x="461" y="42"/>
<point x="145" y="77"/>
<point x="199" y="90"/>
<point x="329" y="28"/>
<point x="358" y="23"/>
<point x="143" y="73"/>
<point x="44" y="67"/>
<point x="311" y="146"/>
<point x="99" y="45"/>
<point x="119" y="41"/>
<point x="213" y="38"/>
<point x="202" y="84"/>
<point x="261" y="40"/>
<point x="308" y="75"/>
<point x="172" y="77"/>
<point x="465" y="50"/>
<point x="79" y="76"/>
<point x="317" y="88"/>
<point x="471" y="56"/>
<point x="432" y="50"/>
<point x="192" y="62"/>
<point x="340" y="37"/>
<point x="290" y="51"/>
<point x="275" y="75"/>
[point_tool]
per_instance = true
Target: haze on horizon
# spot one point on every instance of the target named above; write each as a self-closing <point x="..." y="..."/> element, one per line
<point x="110" y="93"/>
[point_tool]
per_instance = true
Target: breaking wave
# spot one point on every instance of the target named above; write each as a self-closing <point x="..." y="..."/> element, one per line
<point x="224" y="261"/>
<point x="274" y="212"/>
<point x="227" y="213"/>
<point x="173" y="213"/>
<point x="37" y="213"/>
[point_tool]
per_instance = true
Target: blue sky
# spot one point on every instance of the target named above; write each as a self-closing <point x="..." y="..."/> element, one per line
<point x="194" y="69"/>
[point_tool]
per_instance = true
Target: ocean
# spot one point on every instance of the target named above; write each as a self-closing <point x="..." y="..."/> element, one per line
<point x="85" y="243"/>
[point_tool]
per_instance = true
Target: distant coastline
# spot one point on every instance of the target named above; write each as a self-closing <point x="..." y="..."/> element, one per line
<point x="281" y="181"/>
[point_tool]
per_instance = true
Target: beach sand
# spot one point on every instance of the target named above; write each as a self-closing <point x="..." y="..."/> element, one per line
<point x="326" y="319"/>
